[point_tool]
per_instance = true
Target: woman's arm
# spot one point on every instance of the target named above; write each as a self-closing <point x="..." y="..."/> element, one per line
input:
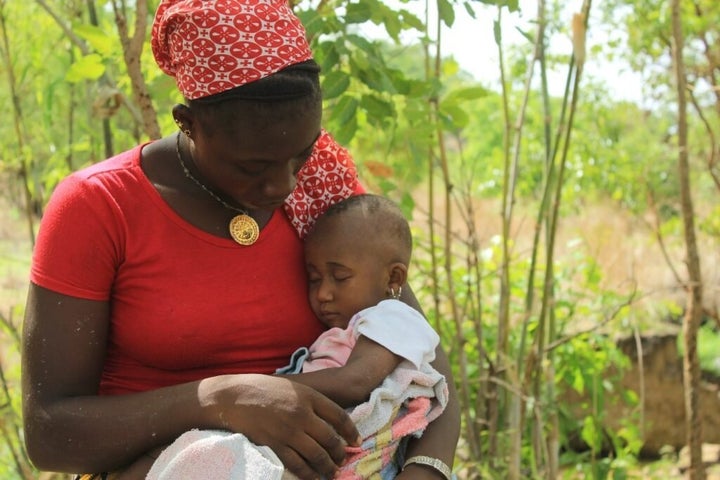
<point x="441" y="436"/>
<point x="69" y="428"/>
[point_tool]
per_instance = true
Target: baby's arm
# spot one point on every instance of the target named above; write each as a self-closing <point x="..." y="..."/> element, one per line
<point x="368" y="365"/>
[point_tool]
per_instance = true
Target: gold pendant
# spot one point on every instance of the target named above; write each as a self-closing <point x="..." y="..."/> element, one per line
<point x="244" y="229"/>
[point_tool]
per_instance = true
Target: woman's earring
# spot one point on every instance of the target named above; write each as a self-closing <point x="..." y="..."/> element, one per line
<point x="182" y="128"/>
<point x="395" y="295"/>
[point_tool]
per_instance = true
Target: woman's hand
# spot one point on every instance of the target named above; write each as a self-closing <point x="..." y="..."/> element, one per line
<point x="306" y="430"/>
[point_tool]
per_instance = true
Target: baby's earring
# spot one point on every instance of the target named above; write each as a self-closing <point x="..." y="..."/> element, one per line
<point x="395" y="295"/>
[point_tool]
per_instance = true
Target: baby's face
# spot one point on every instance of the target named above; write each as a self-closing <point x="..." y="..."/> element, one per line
<point x="344" y="277"/>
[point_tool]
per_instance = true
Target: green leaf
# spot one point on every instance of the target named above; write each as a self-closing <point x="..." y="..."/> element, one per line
<point x="469" y="10"/>
<point x="407" y="205"/>
<point x="358" y="63"/>
<point x="358" y="12"/>
<point x="578" y="381"/>
<point x="393" y="25"/>
<point x="467" y="93"/>
<point x="345" y="133"/>
<point x="89" y="67"/>
<point x="418" y="89"/>
<point x="97" y="38"/>
<point x="327" y="56"/>
<point x="589" y="432"/>
<point x="387" y="186"/>
<point x="446" y="12"/>
<point x="497" y="32"/>
<point x="450" y="67"/>
<point x="374" y="78"/>
<point x="335" y="84"/>
<point x="312" y="21"/>
<point x="399" y="81"/>
<point x="528" y="36"/>
<point x="344" y="110"/>
<point x="361" y="42"/>
<point x="454" y="115"/>
<point x="411" y="20"/>
<point x="377" y="108"/>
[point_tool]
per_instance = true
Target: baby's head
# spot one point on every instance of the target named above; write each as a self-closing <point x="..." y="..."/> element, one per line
<point x="356" y="255"/>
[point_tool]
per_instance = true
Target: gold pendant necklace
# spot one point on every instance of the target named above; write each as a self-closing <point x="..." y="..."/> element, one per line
<point x="243" y="228"/>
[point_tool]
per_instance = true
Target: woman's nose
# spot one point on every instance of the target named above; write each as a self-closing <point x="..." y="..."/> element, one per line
<point x="280" y="183"/>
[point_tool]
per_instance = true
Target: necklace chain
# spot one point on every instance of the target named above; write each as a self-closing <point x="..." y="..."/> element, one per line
<point x="197" y="182"/>
<point x="242" y="228"/>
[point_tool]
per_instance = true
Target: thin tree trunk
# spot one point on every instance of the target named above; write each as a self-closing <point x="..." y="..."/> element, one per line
<point x="495" y="395"/>
<point x="693" y="312"/>
<point x="132" y="52"/>
<point x="23" y="168"/>
<point x="106" y="127"/>
<point x="516" y="416"/>
<point x="460" y="340"/>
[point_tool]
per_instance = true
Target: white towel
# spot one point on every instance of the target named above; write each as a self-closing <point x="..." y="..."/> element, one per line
<point x="216" y="455"/>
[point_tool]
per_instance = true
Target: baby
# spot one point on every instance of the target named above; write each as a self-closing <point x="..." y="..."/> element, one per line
<point x="376" y="354"/>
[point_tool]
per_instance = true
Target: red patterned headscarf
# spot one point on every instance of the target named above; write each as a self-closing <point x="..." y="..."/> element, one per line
<point x="211" y="46"/>
<point x="327" y="177"/>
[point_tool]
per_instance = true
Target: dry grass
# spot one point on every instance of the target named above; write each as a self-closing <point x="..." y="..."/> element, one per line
<point x="624" y="246"/>
<point x="15" y="253"/>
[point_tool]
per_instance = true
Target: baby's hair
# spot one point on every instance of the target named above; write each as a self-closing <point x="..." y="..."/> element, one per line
<point x="298" y="85"/>
<point x="388" y="224"/>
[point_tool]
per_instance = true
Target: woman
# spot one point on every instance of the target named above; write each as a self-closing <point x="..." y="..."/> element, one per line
<point x="168" y="281"/>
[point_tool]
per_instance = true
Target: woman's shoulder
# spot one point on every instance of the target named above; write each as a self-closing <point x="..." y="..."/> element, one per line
<point x="121" y="161"/>
<point x="111" y="179"/>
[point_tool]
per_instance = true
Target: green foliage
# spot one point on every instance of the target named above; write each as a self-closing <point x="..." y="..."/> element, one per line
<point x="13" y="460"/>
<point x="710" y="224"/>
<point x="708" y="346"/>
<point x="89" y="67"/>
<point x="586" y="362"/>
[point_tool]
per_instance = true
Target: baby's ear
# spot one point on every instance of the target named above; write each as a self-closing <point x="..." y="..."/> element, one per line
<point x="398" y="276"/>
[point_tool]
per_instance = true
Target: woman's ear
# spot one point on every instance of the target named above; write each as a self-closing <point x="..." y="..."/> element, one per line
<point x="397" y="277"/>
<point x="183" y="118"/>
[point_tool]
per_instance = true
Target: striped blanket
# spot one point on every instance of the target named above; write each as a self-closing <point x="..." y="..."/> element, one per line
<point x="376" y="458"/>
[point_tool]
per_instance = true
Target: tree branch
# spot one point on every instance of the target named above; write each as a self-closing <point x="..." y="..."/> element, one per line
<point x="65" y="28"/>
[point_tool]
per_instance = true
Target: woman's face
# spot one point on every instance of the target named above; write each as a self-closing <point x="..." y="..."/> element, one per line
<point x="253" y="162"/>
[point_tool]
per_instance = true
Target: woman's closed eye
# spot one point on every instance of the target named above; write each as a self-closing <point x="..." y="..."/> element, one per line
<point x="252" y="169"/>
<point x="257" y="168"/>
